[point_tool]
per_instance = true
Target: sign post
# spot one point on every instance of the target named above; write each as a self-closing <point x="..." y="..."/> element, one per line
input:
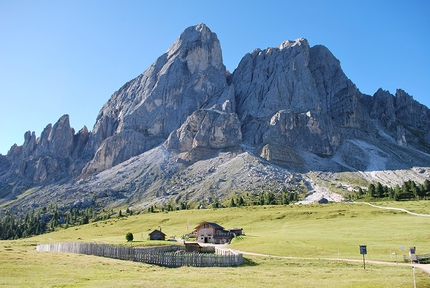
<point x="414" y="258"/>
<point x="395" y="253"/>
<point x="363" y="251"/>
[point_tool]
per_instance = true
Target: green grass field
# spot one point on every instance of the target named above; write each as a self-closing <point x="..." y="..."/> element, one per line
<point x="314" y="232"/>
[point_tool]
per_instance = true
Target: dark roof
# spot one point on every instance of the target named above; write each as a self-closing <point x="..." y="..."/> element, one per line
<point x="213" y="224"/>
<point x="157" y="232"/>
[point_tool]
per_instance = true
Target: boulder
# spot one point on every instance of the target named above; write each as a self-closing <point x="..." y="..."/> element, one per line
<point x="207" y="129"/>
<point x="281" y="155"/>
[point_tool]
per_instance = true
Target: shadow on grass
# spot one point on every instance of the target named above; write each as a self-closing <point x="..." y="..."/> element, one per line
<point x="249" y="262"/>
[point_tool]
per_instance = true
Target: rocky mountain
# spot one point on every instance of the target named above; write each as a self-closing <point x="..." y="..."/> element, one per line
<point x="187" y="129"/>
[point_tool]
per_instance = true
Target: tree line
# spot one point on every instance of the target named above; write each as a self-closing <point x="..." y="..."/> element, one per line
<point x="13" y="228"/>
<point x="409" y="190"/>
<point x="46" y="219"/>
<point x="265" y="198"/>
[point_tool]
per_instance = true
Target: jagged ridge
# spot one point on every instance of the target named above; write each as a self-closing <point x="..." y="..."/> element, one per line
<point x="290" y="109"/>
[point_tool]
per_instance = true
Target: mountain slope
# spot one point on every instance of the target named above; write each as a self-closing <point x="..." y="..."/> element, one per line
<point x="186" y="129"/>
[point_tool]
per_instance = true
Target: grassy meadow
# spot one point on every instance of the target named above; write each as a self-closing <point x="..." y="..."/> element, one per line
<point x="305" y="234"/>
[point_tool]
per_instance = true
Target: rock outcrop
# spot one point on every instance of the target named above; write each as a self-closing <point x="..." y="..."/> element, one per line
<point x="383" y="108"/>
<point x="143" y="113"/>
<point x="297" y="96"/>
<point x="205" y="130"/>
<point x="53" y="156"/>
<point x="406" y="120"/>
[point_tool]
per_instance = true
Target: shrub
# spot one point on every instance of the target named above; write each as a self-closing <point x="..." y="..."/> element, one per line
<point x="129" y="237"/>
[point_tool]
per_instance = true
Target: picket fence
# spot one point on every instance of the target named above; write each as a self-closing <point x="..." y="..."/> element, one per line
<point x="169" y="256"/>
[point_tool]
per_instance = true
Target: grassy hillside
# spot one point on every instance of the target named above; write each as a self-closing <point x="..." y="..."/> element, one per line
<point x="308" y="231"/>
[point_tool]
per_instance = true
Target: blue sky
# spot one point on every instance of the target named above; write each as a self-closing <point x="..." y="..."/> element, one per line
<point x="68" y="57"/>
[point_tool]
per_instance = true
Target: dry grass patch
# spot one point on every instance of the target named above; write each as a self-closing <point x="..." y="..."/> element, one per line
<point x="311" y="231"/>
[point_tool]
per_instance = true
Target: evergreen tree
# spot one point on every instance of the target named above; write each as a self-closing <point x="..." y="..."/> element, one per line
<point x="421" y="193"/>
<point x="240" y="201"/>
<point x="426" y="186"/>
<point x="379" y="191"/>
<point x="397" y="192"/>
<point x="360" y="192"/>
<point x="269" y="198"/>
<point x="285" y="197"/>
<point x="232" y="204"/>
<point x="371" y="190"/>
<point x="391" y="193"/>
<point x="261" y="199"/>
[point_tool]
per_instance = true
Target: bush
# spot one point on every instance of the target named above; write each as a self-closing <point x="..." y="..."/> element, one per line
<point x="129" y="237"/>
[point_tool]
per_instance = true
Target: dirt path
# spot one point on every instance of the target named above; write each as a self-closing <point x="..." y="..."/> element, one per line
<point x="393" y="208"/>
<point x="424" y="267"/>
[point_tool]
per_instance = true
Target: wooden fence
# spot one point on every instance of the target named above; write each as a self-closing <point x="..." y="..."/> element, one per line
<point x="169" y="256"/>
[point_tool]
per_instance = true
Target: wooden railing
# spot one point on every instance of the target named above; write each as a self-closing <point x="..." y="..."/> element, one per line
<point x="225" y="252"/>
<point x="169" y="256"/>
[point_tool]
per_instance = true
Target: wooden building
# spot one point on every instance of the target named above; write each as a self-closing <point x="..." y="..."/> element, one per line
<point x="157" y="235"/>
<point x="210" y="232"/>
<point x="236" y="231"/>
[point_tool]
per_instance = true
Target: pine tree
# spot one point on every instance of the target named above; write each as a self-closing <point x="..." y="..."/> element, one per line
<point x="371" y="190"/>
<point x="360" y="192"/>
<point x="397" y="192"/>
<point x="232" y="204"/>
<point x="379" y="191"/>
<point x="240" y="201"/>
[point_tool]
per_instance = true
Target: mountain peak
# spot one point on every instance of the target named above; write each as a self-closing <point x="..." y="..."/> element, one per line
<point x="188" y="128"/>
<point x="289" y="43"/>
<point x="197" y="31"/>
<point x="193" y="36"/>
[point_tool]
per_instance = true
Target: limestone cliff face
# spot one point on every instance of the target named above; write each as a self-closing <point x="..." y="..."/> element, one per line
<point x="206" y="129"/>
<point x="52" y="156"/>
<point x="297" y="96"/>
<point x="410" y="112"/>
<point x="383" y="108"/>
<point x="401" y="115"/>
<point x="284" y="108"/>
<point x="147" y="109"/>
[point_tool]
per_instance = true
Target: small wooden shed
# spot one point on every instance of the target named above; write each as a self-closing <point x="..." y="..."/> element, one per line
<point x="157" y="235"/>
<point x="236" y="231"/>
